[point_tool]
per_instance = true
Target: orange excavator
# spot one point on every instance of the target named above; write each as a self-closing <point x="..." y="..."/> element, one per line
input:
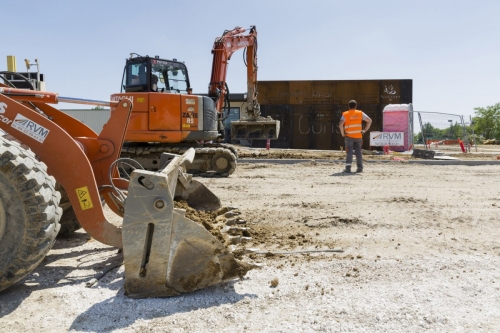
<point x="167" y="117"/>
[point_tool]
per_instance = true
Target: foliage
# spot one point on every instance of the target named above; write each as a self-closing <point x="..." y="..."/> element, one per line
<point x="433" y="133"/>
<point x="485" y="125"/>
<point x="487" y="122"/>
<point x="98" y="108"/>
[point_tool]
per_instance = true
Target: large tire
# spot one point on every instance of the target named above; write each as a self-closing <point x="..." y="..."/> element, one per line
<point x="69" y="223"/>
<point x="29" y="212"/>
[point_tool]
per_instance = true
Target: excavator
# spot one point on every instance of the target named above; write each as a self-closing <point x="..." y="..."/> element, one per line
<point x="167" y="117"/>
<point x="46" y="156"/>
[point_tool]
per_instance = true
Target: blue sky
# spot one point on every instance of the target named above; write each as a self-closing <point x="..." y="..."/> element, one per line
<point x="451" y="49"/>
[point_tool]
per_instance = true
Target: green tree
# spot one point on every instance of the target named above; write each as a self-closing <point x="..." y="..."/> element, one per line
<point x="487" y="121"/>
<point x="98" y="108"/>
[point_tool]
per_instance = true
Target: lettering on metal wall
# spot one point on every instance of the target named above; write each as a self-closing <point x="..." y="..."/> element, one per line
<point x="319" y="123"/>
<point x="390" y="92"/>
<point x="314" y="97"/>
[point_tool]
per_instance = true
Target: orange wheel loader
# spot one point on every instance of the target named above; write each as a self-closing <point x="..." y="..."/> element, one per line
<point x="167" y="117"/>
<point x="165" y="253"/>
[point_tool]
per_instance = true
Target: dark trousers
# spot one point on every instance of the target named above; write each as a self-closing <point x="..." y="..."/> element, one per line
<point x="354" y="146"/>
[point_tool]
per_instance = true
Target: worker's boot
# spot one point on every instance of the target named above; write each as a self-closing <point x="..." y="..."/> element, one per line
<point x="358" y="170"/>
<point x="347" y="169"/>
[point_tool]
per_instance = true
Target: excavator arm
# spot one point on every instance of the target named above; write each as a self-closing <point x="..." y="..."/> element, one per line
<point x="251" y="125"/>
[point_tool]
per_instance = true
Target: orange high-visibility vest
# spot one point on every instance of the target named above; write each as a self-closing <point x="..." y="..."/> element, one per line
<point x="353" y="123"/>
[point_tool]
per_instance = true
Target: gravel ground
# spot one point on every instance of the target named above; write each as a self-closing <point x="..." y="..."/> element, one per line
<point x="421" y="253"/>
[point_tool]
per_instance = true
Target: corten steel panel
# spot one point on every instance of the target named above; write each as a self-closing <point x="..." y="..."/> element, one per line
<point x="301" y="127"/>
<point x="323" y="127"/>
<point x="322" y="93"/>
<point x="313" y="108"/>
<point x="344" y="91"/>
<point x="368" y="92"/>
<point x="406" y="91"/>
<point x="390" y="92"/>
<point x="299" y="92"/>
<point x="276" y="93"/>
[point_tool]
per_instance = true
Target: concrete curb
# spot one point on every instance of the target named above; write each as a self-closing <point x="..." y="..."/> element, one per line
<point x="425" y="162"/>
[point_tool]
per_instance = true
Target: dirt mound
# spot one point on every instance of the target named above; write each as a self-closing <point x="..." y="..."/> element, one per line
<point x="488" y="153"/>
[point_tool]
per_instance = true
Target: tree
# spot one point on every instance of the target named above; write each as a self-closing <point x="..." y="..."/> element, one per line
<point x="487" y="121"/>
<point x="98" y="108"/>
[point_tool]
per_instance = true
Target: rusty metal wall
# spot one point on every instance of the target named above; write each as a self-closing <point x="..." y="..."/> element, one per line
<point x="310" y="111"/>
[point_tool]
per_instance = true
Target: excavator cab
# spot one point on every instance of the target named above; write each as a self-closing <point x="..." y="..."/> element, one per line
<point x="145" y="74"/>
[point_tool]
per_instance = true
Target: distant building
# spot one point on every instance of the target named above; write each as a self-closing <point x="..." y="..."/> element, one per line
<point x="95" y="119"/>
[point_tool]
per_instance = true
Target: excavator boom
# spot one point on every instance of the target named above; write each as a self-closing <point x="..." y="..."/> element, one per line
<point x="251" y="124"/>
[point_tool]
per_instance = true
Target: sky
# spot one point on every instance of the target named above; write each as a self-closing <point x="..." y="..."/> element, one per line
<point x="450" y="49"/>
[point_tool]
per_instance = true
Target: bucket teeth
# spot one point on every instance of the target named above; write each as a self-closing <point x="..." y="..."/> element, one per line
<point x="234" y="230"/>
<point x="239" y="239"/>
<point x="231" y="214"/>
<point x="225" y="209"/>
<point x="234" y="221"/>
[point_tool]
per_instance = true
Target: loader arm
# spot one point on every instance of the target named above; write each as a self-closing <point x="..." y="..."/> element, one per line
<point x="79" y="163"/>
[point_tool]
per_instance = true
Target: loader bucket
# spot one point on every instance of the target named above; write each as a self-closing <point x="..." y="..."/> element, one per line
<point x="165" y="253"/>
<point x="264" y="128"/>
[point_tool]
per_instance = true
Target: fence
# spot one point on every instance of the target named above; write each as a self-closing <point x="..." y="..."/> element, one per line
<point x="441" y="131"/>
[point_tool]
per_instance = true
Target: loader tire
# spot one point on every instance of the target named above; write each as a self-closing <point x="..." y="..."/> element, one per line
<point x="69" y="222"/>
<point x="29" y="212"/>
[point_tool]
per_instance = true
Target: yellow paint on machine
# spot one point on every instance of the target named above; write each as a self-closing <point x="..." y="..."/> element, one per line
<point x="84" y="198"/>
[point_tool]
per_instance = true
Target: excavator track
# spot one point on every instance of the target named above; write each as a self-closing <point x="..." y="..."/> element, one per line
<point x="211" y="159"/>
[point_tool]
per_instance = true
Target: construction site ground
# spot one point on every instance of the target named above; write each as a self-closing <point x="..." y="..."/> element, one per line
<point x="421" y="254"/>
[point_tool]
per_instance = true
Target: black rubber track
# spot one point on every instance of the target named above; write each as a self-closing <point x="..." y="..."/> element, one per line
<point x="29" y="212"/>
<point x="211" y="160"/>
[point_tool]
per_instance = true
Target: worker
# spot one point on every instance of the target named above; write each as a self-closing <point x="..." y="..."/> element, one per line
<point x="134" y="79"/>
<point x="154" y="82"/>
<point x="351" y="128"/>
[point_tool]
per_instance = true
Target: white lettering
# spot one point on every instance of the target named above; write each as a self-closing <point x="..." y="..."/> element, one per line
<point x="119" y="98"/>
<point x="30" y="128"/>
<point x="386" y="139"/>
<point x="5" y="119"/>
<point x="3" y="107"/>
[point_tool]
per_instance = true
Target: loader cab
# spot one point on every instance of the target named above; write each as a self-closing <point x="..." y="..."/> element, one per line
<point x="145" y="74"/>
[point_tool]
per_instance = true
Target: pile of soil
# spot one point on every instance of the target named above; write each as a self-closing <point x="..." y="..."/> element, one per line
<point x="205" y="218"/>
<point x="488" y="153"/>
<point x="218" y="223"/>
